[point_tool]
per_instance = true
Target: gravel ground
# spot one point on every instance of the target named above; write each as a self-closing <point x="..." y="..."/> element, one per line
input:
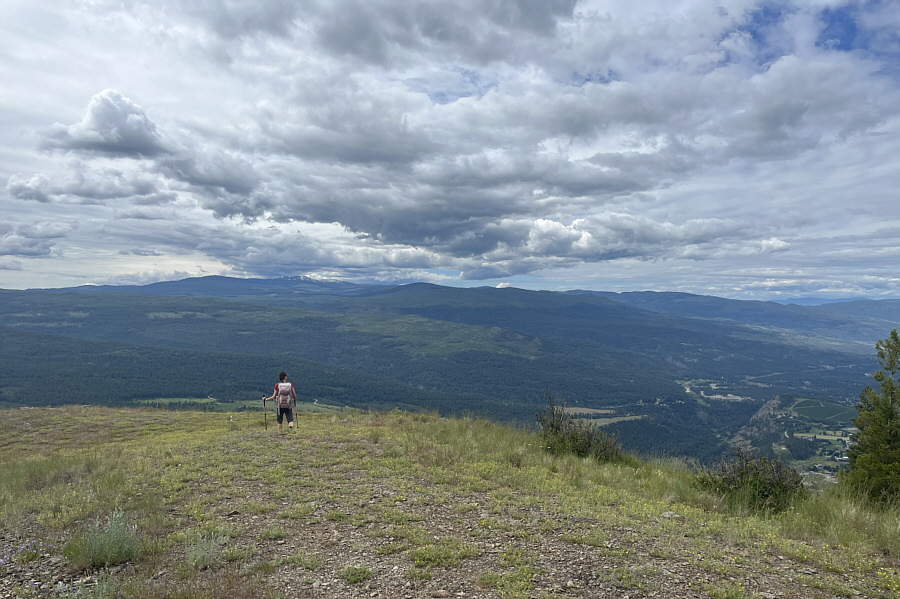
<point x="409" y="538"/>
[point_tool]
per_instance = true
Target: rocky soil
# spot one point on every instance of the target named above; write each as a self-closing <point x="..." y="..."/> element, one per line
<point x="364" y="522"/>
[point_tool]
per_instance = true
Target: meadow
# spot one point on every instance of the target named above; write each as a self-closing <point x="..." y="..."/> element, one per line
<point x="142" y="502"/>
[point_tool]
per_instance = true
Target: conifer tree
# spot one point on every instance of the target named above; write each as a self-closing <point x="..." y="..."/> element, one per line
<point x="875" y="450"/>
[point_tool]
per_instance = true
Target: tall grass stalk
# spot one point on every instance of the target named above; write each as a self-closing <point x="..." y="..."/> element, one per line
<point x="843" y="517"/>
<point x="106" y="587"/>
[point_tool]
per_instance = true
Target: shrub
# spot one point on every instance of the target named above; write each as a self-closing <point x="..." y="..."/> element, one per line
<point x="115" y="543"/>
<point x="272" y="533"/>
<point x="759" y="484"/>
<point x="202" y="551"/>
<point x="355" y="574"/>
<point x="562" y="433"/>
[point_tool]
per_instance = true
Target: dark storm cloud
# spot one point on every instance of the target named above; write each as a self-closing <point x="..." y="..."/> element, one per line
<point x="231" y="19"/>
<point x="389" y="31"/>
<point x="218" y="171"/>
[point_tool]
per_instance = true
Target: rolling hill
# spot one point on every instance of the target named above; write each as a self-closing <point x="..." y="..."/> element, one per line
<point x="676" y="373"/>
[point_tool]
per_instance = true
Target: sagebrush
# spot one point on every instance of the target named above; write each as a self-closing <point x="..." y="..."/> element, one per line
<point x="562" y="433"/>
<point x="759" y="484"/>
<point x="115" y="543"/>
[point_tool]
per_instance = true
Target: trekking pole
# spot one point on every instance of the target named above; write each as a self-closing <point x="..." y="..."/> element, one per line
<point x="265" y="413"/>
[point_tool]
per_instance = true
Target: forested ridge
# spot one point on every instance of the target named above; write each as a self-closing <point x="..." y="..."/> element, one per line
<point x="492" y="352"/>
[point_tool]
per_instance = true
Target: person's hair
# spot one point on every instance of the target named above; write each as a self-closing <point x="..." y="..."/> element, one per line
<point x="282" y="375"/>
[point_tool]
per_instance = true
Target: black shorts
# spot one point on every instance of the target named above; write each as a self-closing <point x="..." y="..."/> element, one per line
<point x="282" y="412"/>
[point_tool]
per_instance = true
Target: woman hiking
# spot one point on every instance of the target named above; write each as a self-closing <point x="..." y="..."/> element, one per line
<point x="287" y="399"/>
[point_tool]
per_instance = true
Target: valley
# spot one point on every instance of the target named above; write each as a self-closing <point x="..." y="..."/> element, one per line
<point x="667" y="374"/>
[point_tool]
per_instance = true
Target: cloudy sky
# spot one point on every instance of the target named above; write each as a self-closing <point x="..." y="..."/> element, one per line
<point x="734" y="148"/>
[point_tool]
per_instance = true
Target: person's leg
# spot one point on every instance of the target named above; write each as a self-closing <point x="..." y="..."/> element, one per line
<point x="280" y="417"/>
<point x="290" y="417"/>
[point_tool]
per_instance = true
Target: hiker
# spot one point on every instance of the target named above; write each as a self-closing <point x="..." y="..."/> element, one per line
<point x="287" y="398"/>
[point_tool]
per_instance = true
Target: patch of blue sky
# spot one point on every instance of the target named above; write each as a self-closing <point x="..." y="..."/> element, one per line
<point x="764" y="21"/>
<point x="599" y="76"/>
<point x="446" y="96"/>
<point x="477" y="80"/>
<point x="857" y="28"/>
<point x="764" y="28"/>
<point x="454" y="83"/>
<point x="839" y="31"/>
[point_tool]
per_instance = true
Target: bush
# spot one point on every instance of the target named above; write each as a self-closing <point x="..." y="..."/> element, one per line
<point x="115" y="543"/>
<point x="355" y="574"/>
<point x="202" y="551"/>
<point x="562" y="433"/>
<point x="761" y="485"/>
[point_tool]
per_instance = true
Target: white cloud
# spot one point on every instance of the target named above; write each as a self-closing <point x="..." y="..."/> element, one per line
<point x="113" y="124"/>
<point x="402" y="140"/>
<point x="34" y="188"/>
<point x="34" y="240"/>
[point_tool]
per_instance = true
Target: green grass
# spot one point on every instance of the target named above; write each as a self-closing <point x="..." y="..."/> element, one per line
<point x="356" y="574"/>
<point x="396" y="500"/>
<point x="825" y="411"/>
<point x="253" y="405"/>
<point x="112" y="543"/>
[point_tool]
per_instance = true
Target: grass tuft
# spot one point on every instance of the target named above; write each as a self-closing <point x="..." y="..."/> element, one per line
<point x="355" y="574"/>
<point x="115" y="543"/>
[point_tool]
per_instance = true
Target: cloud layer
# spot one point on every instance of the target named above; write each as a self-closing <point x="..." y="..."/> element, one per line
<point x="741" y="149"/>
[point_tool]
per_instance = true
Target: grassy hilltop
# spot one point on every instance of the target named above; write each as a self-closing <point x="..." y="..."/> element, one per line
<point x="391" y="505"/>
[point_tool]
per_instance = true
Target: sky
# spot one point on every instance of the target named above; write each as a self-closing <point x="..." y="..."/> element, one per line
<point x="736" y="148"/>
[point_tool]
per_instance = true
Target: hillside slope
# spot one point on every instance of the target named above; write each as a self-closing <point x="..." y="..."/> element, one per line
<point x="669" y="374"/>
<point x="391" y="505"/>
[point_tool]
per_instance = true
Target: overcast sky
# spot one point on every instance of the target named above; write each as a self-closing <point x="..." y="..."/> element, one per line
<point x="731" y="148"/>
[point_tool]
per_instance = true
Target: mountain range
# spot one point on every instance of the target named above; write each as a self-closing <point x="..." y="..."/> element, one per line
<point x="666" y="373"/>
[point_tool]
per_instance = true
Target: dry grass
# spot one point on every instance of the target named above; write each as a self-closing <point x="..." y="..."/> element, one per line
<point x="387" y="504"/>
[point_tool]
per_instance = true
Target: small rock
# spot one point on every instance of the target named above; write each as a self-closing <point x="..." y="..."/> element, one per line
<point x="440" y="593"/>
